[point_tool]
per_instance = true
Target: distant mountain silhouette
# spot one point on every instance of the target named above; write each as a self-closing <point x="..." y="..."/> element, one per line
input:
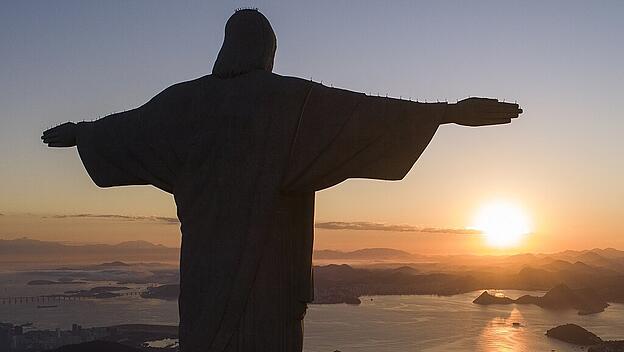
<point x="377" y="271"/>
<point x="575" y="285"/>
<point x="347" y="281"/>
<point x="139" y="245"/>
<point x="29" y="250"/>
<point x="112" y="264"/>
<point x="30" y="245"/>
<point x="535" y="279"/>
<point x="586" y="301"/>
<point x="339" y="272"/>
<point x="610" y="253"/>
<point x="27" y="245"/>
<point x="365" y="254"/>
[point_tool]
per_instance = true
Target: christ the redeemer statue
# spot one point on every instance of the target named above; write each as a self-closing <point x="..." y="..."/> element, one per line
<point x="243" y="152"/>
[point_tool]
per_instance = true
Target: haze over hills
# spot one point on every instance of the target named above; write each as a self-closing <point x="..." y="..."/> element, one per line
<point x="370" y="271"/>
<point x="25" y="251"/>
<point x="605" y="261"/>
<point x="601" y="278"/>
<point x="373" y="254"/>
<point x="26" y="244"/>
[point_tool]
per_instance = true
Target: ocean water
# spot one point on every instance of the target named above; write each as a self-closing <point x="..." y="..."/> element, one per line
<point x="431" y="323"/>
<point x="380" y="323"/>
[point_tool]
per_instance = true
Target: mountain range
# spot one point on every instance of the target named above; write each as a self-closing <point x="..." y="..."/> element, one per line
<point x="25" y="250"/>
<point x="377" y="271"/>
<point x="598" y="273"/>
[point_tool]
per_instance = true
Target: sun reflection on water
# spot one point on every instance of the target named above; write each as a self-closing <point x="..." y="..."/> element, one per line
<point x="504" y="334"/>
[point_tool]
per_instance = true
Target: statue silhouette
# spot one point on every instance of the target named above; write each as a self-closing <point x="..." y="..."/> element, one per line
<point x="243" y="151"/>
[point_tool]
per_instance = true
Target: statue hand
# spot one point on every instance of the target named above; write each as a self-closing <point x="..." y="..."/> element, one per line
<point x="482" y="112"/>
<point x="60" y="136"/>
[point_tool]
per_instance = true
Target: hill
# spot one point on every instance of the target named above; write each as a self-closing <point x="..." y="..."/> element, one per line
<point x="365" y="254"/>
<point x="586" y="301"/>
<point x="25" y="250"/>
<point x="576" y="335"/>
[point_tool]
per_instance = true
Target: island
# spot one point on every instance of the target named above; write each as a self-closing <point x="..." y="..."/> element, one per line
<point x="486" y="298"/>
<point x="574" y="334"/>
<point x="98" y="292"/>
<point x="586" y="301"/>
<point x="577" y="335"/>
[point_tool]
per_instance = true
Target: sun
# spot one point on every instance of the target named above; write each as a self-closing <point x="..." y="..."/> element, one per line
<point x="503" y="224"/>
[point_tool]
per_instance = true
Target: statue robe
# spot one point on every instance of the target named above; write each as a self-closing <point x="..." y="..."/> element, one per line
<point x="243" y="157"/>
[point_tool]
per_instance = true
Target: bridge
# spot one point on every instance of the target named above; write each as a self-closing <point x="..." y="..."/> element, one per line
<point x="46" y="299"/>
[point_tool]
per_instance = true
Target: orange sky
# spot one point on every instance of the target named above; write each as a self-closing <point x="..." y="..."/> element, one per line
<point x="561" y="161"/>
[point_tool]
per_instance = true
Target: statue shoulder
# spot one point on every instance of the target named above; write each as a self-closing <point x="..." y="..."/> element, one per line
<point x="186" y="86"/>
<point x="295" y="81"/>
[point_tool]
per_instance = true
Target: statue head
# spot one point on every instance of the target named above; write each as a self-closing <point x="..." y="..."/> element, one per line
<point x="249" y="45"/>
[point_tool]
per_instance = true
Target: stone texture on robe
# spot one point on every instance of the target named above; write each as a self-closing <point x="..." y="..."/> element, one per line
<point x="243" y="157"/>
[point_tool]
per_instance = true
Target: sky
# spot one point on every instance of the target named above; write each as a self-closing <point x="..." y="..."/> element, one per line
<point x="561" y="162"/>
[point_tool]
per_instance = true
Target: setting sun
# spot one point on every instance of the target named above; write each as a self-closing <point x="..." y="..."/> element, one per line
<point x="503" y="224"/>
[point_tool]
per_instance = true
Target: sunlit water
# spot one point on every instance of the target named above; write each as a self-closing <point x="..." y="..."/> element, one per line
<point x="431" y="323"/>
<point x="380" y="323"/>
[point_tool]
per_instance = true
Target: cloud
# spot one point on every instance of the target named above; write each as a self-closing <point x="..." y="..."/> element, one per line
<point x="158" y="219"/>
<point x="374" y="226"/>
<point x="330" y="225"/>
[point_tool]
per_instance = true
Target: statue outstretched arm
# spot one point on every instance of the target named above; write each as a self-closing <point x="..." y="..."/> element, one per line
<point x="475" y="112"/>
<point x="61" y="136"/>
<point x="343" y="134"/>
<point x="146" y="145"/>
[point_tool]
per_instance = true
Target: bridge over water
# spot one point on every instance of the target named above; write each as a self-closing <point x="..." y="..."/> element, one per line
<point x="61" y="298"/>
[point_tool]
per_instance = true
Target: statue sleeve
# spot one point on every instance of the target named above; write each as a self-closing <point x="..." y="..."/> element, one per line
<point x="343" y="134"/>
<point x="142" y="146"/>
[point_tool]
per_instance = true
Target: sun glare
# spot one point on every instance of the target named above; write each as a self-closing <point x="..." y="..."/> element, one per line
<point x="503" y="224"/>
